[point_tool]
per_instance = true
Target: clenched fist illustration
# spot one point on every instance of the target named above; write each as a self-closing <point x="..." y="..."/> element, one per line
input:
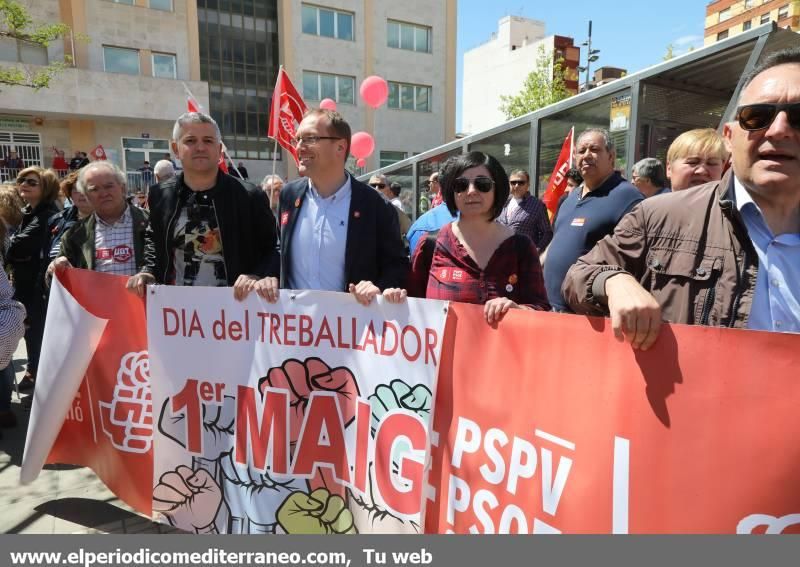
<point x="317" y="513"/>
<point x="303" y="378"/>
<point x="399" y="395"/>
<point x="188" y="498"/>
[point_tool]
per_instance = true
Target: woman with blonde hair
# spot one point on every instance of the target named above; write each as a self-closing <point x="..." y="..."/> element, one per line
<point x="28" y="256"/>
<point x="696" y="157"/>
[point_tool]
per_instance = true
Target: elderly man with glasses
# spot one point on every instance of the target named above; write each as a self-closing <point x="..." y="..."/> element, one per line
<point x="524" y="213"/>
<point x="724" y="254"/>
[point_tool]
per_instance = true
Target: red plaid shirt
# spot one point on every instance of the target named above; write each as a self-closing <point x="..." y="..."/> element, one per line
<point x="513" y="272"/>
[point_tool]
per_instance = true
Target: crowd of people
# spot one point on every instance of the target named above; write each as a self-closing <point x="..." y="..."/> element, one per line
<point x="710" y="238"/>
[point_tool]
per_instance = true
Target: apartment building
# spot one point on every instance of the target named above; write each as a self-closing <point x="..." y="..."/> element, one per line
<point x="726" y="18"/>
<point x="123" y="92"/>
<point x="500" y="66"/>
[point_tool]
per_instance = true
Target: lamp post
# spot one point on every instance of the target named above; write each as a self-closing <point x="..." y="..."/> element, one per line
<point x="591" y="56"/>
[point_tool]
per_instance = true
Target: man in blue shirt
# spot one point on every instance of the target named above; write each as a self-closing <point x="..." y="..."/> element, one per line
<point x="726" y="253"/>
<point x="590" y="212"/>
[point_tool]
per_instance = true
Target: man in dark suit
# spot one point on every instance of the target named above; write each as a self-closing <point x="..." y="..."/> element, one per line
<point x="336" y="233"/>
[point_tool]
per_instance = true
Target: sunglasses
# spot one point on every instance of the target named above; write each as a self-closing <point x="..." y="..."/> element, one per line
<point x="377" y="185"/>
<point x="482" y="184"/>
<point x="516" y="182"/>
<point x="29" y="181"/>
<point x="752" y="117"/>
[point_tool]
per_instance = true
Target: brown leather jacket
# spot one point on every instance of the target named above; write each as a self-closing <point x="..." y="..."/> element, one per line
<point x="689" y="249"/>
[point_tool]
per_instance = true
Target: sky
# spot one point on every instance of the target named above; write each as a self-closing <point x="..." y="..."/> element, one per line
<point x="632" y="35"/>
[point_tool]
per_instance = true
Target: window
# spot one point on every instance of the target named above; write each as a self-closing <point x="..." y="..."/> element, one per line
<point x="128" y="2"/>
<point x="409" y="97"/>
<point x="327" y="23"/>
<point x="722" y="35"/>
<point x="20" y="51"/>
<point x="120" y="60"/>
<point x="165" y="5"/>
<point x="783" y="12"/>
<point x="164" y="66"/>
<point x="318" y="86"/>
<point x="389" y="157"/>
<point x="748" y="4"/>
<point x="747" y="25"/>
<point x="408" y="36"/>
<point x="764" y="18"/>
<point x="724" y="14"/>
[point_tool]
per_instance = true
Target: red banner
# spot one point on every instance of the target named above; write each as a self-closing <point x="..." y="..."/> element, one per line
<point x="558" y="179"/>
<point x="287" y="111"/>
<point x="697" y="435"/>
<point x="98" y="153"/>
<point x="109" y="426"/>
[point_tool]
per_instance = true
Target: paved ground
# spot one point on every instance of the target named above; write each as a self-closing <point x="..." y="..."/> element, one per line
<point x="64" y="499"/>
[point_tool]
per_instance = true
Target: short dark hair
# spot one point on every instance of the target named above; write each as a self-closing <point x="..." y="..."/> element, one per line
<point x="575" y="175"/>
<point x="782" y="57"/>
<point x="339" y="126"/>
<point x="395" y="187"/>
<point x="521" y="172"/>
<point x="453" y="168"/>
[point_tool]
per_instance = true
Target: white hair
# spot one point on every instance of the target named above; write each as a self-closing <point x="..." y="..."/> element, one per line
<point x="164" y="170"/>
<point x="271" y="177"/>
<point x="194" y="118"/>
<point x="120" y="176"/>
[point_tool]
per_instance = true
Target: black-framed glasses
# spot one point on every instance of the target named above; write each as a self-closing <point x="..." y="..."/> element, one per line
<point x="515" y="182"/>
<point x="312" y="140"/>
<point x="752" y="117"/>
<point x="482" y="184"/>
<point x="378" y="185"/>
<point x="32" y="181"/>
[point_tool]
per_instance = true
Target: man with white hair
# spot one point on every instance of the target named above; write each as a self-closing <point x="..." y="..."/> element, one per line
<point x="163" y="170"/>
<point x="272" y="185"/>
<point x="206" y="227"/>
<point x="110" y="240"/>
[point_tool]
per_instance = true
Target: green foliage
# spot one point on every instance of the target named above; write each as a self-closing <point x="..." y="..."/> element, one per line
<point x="16" y="23"/>
<point x="546" y="84"/>
<point x="670" y="53"/>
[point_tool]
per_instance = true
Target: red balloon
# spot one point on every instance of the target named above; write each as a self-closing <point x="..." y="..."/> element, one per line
<point x="362" y="145"/>
<point x="328" y="104"/>
<point x="361" y="162"/>
<point x="374" y="90"/>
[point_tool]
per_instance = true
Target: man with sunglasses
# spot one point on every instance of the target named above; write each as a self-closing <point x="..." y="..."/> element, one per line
<point x="524" y="213"/>
<point x="206" y="228"/>
<point x="336" y="233"/>
<point x="726" y="253"/>
<point x="381" y="184"/>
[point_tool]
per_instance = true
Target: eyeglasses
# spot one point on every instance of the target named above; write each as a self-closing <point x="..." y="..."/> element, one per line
<point x="312" y="140"/>
<point x="428" y="183"/>
<point x="378" y="185"/>
<point x="754" y="117"/>
<point x="33" y="182"/>
<point x="482" y="184"/>
<point x="517" y="182"/>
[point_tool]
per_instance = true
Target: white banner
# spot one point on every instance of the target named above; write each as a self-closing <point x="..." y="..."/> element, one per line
<point x="311" y="415"/>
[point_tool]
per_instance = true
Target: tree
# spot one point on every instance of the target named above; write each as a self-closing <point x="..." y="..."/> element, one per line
<point x="670" y="53"/>
<point x="546" y="84"/>
<point x="17" y="24"/>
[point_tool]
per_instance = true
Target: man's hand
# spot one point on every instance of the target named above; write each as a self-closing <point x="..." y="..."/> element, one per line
<point x="268" y="288"/>
<point x="188" y="498"/>
<point x="495" y="309"/>
<point x="138" y="283"/>
<point x="315" y="513"/>
<point x="364" y="291"/>
<point x="243" y="286"/>
<point x="635" y="313"/>
<point x="58" y="265"/>
<point x="395" y="295"/>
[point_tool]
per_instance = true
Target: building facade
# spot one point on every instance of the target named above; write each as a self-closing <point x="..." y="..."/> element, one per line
<point x="727" y="18"/>
<point x="124" y="90"/>
<point x="328" y="47"/>
<point x="500" y="66"/>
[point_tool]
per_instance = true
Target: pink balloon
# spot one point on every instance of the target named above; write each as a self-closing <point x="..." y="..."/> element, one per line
<point x="328" y="104"/>
<point x="362" y="145"/>
<point x="361" y="162"/>
<point x="374" y="90"/>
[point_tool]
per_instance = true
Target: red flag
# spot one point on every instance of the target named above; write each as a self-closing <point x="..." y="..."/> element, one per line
<point x="192" y="105"/>
<point x="222" y="164"/>
<point x="558" y="179"/>
<point x="287" y="111"/>
<point x="99" y="153"/>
